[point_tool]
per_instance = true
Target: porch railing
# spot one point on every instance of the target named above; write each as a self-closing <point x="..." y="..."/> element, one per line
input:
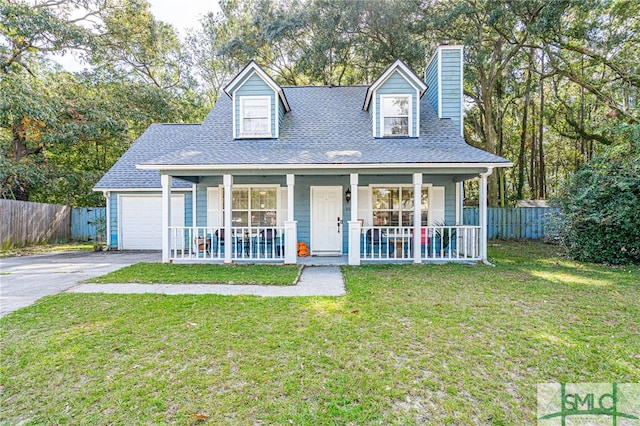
<point x="250" y="243"/>
<point x="451" y="243"/>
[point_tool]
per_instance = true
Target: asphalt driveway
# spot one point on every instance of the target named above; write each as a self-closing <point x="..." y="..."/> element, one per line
<point x="25" y="279"/>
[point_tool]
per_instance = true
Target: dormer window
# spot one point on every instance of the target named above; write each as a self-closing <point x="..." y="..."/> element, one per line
<point x="395" y="115"/>
<point x="393" y="102"/>
<point x="255" y="116"/>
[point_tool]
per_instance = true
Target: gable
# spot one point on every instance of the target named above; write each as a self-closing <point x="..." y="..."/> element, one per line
<point x="393" y="102"/>
<point x="396" y="84"/>
<point x="259" y="104"/>
<point x="254" y="88"/>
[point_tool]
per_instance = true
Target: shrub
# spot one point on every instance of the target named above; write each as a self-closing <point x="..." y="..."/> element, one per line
<point x="601" y="208"/>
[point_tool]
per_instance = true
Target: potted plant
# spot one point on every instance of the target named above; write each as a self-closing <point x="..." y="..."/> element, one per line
<point x="444" y="235"/>
<point x="101" y="229"/>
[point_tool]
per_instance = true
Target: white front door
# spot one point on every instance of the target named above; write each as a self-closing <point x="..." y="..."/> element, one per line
<point x="326" y="220"/>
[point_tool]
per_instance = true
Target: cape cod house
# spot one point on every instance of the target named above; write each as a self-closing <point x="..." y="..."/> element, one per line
<point x="374" y="173"/>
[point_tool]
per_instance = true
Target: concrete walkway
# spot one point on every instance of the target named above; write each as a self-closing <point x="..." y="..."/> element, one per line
<point x="314" y="281"/>
<point x="25" y="279"/>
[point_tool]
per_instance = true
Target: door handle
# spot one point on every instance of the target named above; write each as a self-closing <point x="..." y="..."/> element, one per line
<point x="339" y="223"/>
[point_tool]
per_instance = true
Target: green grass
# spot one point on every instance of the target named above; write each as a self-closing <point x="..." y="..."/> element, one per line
<point x="200" y="273"/>
<point x="45" y="248"/>
<point x="427" y="344"/>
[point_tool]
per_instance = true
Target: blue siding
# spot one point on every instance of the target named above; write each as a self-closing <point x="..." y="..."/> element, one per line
<point x="302" y="195"/>
<point x="113" y="216"/>
<point x="431" y="78"/>
<point x="397" y="84"/>
<point x="255" y="86"/>
<point x="280" y="114"/>
<point x="451" y="89"/>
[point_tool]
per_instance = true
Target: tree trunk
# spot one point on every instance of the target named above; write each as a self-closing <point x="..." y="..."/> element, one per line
<point x="542" y="189"/>
<point x="523" y="137"/>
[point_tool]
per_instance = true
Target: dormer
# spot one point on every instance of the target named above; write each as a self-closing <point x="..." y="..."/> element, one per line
<point x="259" y="104"/>
<point x="393" y="102"/>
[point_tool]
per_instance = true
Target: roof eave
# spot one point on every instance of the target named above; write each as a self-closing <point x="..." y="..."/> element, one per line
<point x="341" y="166"/>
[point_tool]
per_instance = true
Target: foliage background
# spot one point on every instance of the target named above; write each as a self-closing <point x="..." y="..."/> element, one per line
<point x="548" y="83"/>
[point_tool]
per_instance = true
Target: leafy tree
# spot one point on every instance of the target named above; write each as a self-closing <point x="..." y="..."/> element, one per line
<point x="601" y="206"/>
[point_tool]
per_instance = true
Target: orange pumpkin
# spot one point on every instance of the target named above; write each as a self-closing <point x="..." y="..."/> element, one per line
<point x="303" y="249"/>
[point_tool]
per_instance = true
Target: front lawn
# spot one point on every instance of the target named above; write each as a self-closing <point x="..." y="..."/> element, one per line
<point x="429" y="344"/>
<point x="202" y="273"/>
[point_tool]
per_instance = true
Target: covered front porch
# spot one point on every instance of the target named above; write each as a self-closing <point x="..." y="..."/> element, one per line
<point x="358" y="211"/>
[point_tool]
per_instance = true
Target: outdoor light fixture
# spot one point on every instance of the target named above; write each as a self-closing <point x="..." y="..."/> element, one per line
<point x="347" y="195"/>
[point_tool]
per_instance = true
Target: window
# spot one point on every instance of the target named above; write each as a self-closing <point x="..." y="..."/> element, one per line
<point x="255" y="116"/>
<point x="395" y="115"/>
<point x="393" y="206"/>
<point x="254" y="206"/>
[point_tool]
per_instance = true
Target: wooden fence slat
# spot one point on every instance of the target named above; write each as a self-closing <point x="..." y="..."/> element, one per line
<point x="24" y="223"/>
<point x="519" y="222"/>
<point x="83" y="222"/>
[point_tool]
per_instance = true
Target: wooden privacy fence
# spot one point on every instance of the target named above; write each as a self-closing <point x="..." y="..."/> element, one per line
<point x="522" y="222"/>
<point x="24" y="222"/>
<point x="84" y="222"/>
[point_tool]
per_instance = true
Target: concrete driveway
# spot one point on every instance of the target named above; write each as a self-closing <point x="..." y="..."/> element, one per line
<point x="25" y="279"/>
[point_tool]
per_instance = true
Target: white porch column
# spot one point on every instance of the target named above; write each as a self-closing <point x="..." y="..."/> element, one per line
<point x="483" y="214"/>
<point x="460" y="203"/>
<point x="355" y="229"/>
<point x="290" y="225"/>
<point x="227" y="181"/>
<point x="165" y="180"/>
<point x="354" y="196"/>
<point x="194" y="206"/>
<point x="417" y="217"/>
<point x="290" y="242"/>
<point x="291" y="181"/>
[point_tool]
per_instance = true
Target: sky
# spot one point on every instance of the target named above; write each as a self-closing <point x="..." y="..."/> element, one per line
<point x="182" y="14"/>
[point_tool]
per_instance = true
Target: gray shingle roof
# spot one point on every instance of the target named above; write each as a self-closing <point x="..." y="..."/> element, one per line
<point x="326" y="125"/>
<point x="158" y="139"/>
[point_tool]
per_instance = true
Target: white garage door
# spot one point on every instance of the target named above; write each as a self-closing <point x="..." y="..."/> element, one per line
<point x="141" y="220"/>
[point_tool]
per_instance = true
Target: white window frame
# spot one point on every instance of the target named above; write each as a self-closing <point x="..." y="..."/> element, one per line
<point x="245" y="134"/>
<point x="426" y="186"/>
<point x="410" y="115"/>
<point x="249" y="187"/>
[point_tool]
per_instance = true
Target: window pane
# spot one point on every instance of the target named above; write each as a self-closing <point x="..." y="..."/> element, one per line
<point x="407" y="218"/>
<point x="381" y="218"/>
<point x="263" y="218"/>
<point x="255" y="108"/>
<point x="255" y="126"/>
<point x="396" y="126"/>
<point x="240" y="199"/>
<point x="395" y="107"/>
<point x="239" y="218"/>
<point x="407" y="199"/>
<point x="424" y="208"/>
<point x="263" y="199"/>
